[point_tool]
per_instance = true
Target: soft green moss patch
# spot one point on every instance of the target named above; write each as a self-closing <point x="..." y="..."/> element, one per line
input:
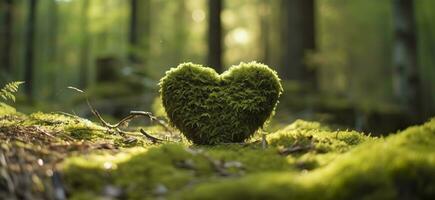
<point x="171" y="166"/>
<point x="337" y="165"/>
<point x="210" y="108"/>
<point x="399" y="167"/>
<point x="68" y="128"/>
<point x="176" y="167"/>
<point x="305" y="160"/>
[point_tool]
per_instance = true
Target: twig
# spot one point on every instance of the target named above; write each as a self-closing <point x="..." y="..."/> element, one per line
<point x="45" y="133"/>
<point x="67" y="114"/>
<point x="153" y="118"/>
<point x="153" y="139"/>
<point x="295" y="149"/>
<point x="132" y="115"/>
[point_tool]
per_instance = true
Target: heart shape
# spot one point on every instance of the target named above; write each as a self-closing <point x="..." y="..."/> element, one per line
<point x="209" y="108"/>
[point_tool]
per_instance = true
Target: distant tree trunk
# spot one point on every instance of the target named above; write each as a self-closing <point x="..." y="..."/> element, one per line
<point x="140" y="27"/>
<point x="264" y="10"/>
<point x="84" y="51"/>
<point x="29" y="52"/>
<point x="407" y="83"/>
<point x="53" y="49"/>
<point x="298" y="38"/>
<point x="133" y="37"/>
<point x="181" y="32"/>
<point x="6" y="42"/>
<point x="215" y="35"/>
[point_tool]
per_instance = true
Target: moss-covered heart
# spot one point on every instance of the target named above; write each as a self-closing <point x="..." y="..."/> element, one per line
<point x="209" y="108"/>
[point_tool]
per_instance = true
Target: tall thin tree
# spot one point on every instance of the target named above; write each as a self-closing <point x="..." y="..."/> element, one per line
<point x="407" y="83"/>
<point x="140" y="27"/>
<point x="6" y="35"/>
<point x="29" y="51"/>
<point x="85" y="45"/>
<point x="298" y="38"/>
<point x="215" y="35"/>
<point x="53" y="34"/>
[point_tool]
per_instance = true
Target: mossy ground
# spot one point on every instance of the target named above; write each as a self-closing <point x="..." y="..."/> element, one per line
<point x="305" y="160"/>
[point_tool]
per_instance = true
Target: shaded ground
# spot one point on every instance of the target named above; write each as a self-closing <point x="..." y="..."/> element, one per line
<point x="56" y="156"/>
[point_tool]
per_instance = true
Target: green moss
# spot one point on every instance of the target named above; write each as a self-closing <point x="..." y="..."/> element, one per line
<point x="65" y="128"/>
<point x="6" y="109"/>
<point x="172" y="166"/>
<point x="312" y="136"/>
<point x="176" y="167"/>
<point x="210" y="109"/>
<point x="75" y="127"/>
<point x="339" y="165"/>
<point x="140" y="173"/>
<point x="399" y="167"/>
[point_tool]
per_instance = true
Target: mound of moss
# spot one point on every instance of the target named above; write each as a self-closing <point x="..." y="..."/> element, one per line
<point x="304" y="160"/>
<point x="210" y="108"/>
<point x="401" y="166"/>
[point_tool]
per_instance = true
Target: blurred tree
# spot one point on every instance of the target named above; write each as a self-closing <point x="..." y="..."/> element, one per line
<point x="263" y="10"/>
<point x="298" y="39"/>
<point x="52" y="51"/>
<point x="139" y="30"/>
<point x="29" y="51"/>
<point x="407" y="84"/>
<point x="85" y="45"/>
<point x="215" y="35"/>
<point x="6" y="33"/>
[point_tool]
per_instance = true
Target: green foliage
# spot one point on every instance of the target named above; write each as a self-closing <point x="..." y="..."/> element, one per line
<point x="7" y="92"/>
<point x="211" y="109"/>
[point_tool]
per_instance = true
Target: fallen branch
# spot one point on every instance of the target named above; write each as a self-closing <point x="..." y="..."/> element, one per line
<point x="153" y="139"/>
<point x="125" y="120"/>
<point x="295" y="149"/>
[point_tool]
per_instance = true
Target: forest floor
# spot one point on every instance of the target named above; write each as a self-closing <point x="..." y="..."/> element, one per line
<point x="61" y="156"/>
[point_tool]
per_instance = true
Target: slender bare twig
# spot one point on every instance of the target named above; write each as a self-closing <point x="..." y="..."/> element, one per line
<point x="153" y="118"/>
<point x="151" y="138"/>
<point x="132" y="115"/>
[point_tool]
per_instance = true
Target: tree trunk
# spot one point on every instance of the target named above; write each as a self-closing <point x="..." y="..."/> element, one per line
<point x="215" y="35"/>
<point x="53" y="76"/>
<point x="407" y="84"/>
<point x="29" y="52"/>
<point x="298" y="39"/>
<point x="84" y="51"/>
<point x="140" y="27"/>
<point x="264" y="10"/>
<point x="181" y="32"/>
<point x="133" y="37"/>
<point x="6" y="42"/>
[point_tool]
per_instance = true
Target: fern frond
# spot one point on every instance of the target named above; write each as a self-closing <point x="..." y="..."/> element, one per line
<point x="7" y="92"/>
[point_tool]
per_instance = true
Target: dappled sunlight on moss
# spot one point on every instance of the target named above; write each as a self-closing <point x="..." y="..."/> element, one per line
<point x="398" y="167"/>
<point x="70" y="128"/>
<point x="301" y="161"/>
<point x="311" y="136"/>
<point x="176" y="167"/>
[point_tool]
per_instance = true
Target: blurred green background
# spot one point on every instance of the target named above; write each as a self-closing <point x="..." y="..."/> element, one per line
<point x="360" y="64"/>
